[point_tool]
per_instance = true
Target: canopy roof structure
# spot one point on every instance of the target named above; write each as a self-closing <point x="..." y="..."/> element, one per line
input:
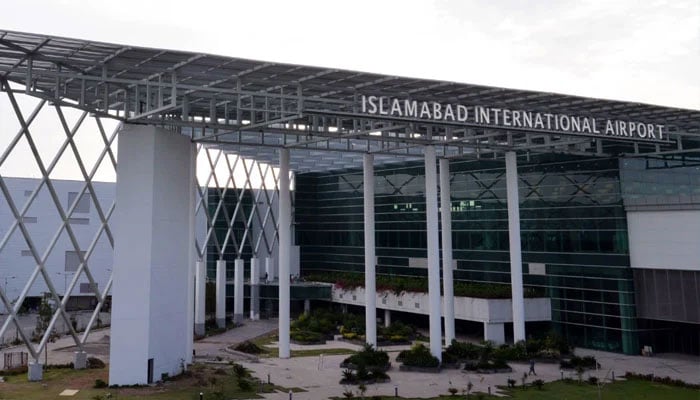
<point x="254" y="107"/>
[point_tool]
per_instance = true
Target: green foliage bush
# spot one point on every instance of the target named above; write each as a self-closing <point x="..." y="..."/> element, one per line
<point x="400" y="284"/>
<point x="463" y="351"/>
<point x="663" y="380"/>
<point x="306" y="336"/>
<point x="418" y="356"/>
<point x="369" y="358"/>
<point x="249" y="348"/>
<point x="100" y="384"/>
<point x="576" y="362"/>
<point x="486" y="365"/>
<point x="396" y="332"/>
<point x="551" y="346"/>
<point x="95" y="363"/>
<point x="448" y="358"/>
<point x="320" y="321"/>
<point x="240" y="371"/>
<point x="245" y="385"/>
<point x="363" y="375"/>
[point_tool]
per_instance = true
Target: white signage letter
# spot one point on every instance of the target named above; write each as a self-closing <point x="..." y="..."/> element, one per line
<point x="462" y="113"/>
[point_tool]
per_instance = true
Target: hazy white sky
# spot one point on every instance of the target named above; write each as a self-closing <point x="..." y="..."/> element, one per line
<point x="643" y="51"/>
<point x="646" y="51"/>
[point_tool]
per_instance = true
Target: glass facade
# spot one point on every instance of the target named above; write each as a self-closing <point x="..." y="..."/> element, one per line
<point x="226" y="214"/>
<point x="572" y="221"/>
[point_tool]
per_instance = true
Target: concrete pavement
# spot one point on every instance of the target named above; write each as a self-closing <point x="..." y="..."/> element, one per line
<point x="320" y="377"/>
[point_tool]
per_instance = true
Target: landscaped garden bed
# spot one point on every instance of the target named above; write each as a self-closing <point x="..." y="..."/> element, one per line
<point x="418" y="359"/>
<point x="366" y="367"/>
<point x="576" y="363"/>
<point x="368" y="358"/>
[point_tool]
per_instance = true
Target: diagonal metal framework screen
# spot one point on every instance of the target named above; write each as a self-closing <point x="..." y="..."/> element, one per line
<point x="59" y="217"/>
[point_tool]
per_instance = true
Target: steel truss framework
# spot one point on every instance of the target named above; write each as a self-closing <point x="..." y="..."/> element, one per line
<point x="259" y="106"/>
<point x="256" y="220"/>
<point x="252" y="109"/>
<point x="84" y="251"/>
<point x="260" y="221"/>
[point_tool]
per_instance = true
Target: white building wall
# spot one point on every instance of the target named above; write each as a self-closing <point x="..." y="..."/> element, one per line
<point x="43" y="222"/>
<point x="664" y="239"/>
<point x="466" y="308"/>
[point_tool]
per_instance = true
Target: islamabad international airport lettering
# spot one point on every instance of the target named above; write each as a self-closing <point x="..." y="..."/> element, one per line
<point x="507" y="118"/>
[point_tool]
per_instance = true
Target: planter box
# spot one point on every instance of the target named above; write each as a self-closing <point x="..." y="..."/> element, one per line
<point x="308" y="343"/>
<point x="353" y="367"/>
<point x="429" y="370"/>
<point x="492" y="371"/>
<point x="366" y="382"/>
<point x="456" y="365"/>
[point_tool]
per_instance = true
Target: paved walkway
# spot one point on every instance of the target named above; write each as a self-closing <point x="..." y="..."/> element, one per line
<point x="320" y="376"/>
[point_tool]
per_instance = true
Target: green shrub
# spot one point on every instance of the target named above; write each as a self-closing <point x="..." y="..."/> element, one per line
<point x="100" y="384"/>
<point x="249" y="348"/>
<point x="95" y="363"/>
<point x="419" y="356"/>
<point x="486" y="365"/>
<point x="463" y="351"/>
<point x="239" y="371"/>
<point x="369" y="358"/>
<point x="245" y="385"/>
<point x="419" y="284"/>
<point x="306" y="336"/>
<point x="588" y="362"/>
<point x="448" y="358"/>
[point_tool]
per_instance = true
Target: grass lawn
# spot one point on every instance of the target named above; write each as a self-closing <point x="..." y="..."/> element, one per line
<point x="628" y="390"/>
<point x="216" y="382"/>
<point x="623" y="390"/>
<point x="265" y="340"/>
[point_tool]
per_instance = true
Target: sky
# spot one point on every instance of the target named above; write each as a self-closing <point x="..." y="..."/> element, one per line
<point x="639" y="51"/>
<point x="643" y="51"/>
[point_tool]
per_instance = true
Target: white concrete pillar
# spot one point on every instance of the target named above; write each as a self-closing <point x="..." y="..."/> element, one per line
<point x="269" y="269"/>
<point x="238" y="269"/>
<point x="200" y="298"/>
<point x="387" y="318"/>
<point x="447" y="279"/>
<point x="152" y="249"/>
<point x="79" y="360"/>
<point x="307" y="306"/>
<point x="495" y="333"/>
<point x="431" y="214"/>
<point x="35" y="371"/>
<point x="254" y="288"/>
<point x="221" y="293"/>
<point x="194" y="256"/>
<point x="370" y="258"/>
<point x="516" y="264"/>
<point x="285" y="243"/>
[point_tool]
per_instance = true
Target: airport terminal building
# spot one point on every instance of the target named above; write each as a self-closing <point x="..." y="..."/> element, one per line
<point x="586" y="210"/>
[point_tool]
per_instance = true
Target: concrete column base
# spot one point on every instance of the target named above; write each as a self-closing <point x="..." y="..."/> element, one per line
<point x="221" y="294"/>
<point x="255" y="302"/>
<point x="495" y="333"/>
<point x="199" y="329"/>
<point x="35" y="372"/>
<point x="238" y="288"/>
<point x="387" y="318"/>
<point x="307" y="306"/>
<point x="80" y="360"/>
